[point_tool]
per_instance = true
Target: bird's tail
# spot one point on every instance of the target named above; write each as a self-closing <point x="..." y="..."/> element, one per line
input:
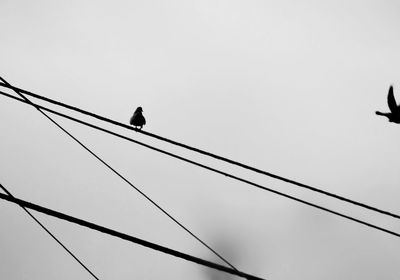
<point x="387" y="115"/>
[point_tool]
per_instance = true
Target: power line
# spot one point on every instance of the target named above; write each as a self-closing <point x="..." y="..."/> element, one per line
<point x="39" y="108"/>
<point x="214" y="170"/>
<point x="245" y="166"/>
<point x="127" y="237"/>
<point x="51" y="234"/>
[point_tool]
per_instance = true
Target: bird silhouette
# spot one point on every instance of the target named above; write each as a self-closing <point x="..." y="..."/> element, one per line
<point x="138" y="120"/>
<point x="394" y="114"/>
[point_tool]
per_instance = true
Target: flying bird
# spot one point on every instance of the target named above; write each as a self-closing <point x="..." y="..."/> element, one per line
<point x="394" y="114"/>
<point x="138" y="120"/>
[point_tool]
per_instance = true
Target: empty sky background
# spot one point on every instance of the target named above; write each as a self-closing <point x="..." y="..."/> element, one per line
<point x="287" y="86"/>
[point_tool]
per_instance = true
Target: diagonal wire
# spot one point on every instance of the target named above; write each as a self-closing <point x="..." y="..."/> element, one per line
<point x="51" y="234"/>
<point x="127" y="237"/>
<point x="121" y="176"/>
<point x="215" y="170"/>
<point x="230" y="161"/>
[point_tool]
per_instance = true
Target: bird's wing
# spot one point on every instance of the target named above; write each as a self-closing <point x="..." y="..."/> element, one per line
<point x="133" y="118"/>
<point x="391" y="101"/>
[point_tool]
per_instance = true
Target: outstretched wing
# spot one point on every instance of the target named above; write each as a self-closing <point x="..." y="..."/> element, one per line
<point x="391" y="101"/>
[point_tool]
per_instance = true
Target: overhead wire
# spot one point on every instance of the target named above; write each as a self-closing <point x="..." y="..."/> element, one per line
<point x="215" y="156"/>
<point x="52" y="235"/>
<point x="39" y="108"/>
<point x="212" y="169"/>
<point x="127" y="237"/>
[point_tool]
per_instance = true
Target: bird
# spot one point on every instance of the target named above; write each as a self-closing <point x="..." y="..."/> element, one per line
<point x="137" y="119"/>
<point x="394" y="114"/>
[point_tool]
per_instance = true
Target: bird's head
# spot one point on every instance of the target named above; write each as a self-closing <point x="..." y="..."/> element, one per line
<point x="139" y="109"/>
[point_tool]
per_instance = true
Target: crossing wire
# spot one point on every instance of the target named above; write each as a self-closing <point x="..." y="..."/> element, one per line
<point x="230" y="161"/>
<point x="52" y="235"/>
<point x="127" y="237"/>
<point x="212" y="169"/>
<point x="39" y="108"/>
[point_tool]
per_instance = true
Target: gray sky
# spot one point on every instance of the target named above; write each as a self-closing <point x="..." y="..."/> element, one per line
<point x="287" y="86"/>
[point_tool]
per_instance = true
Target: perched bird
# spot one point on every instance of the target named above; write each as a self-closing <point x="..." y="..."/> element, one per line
<point x="137" y="120"/>
<point x="394" y="114"/>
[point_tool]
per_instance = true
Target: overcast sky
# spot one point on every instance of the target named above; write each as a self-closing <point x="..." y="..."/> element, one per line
<point x="288" y="86"/>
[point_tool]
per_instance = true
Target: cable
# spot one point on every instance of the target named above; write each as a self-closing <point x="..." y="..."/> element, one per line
<point x="39" y="108"/>
<point x="269" y="174"/>
<point x="214" y="170"/>
<point x="124" y="236"/>
<point x="52" y="235"/>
